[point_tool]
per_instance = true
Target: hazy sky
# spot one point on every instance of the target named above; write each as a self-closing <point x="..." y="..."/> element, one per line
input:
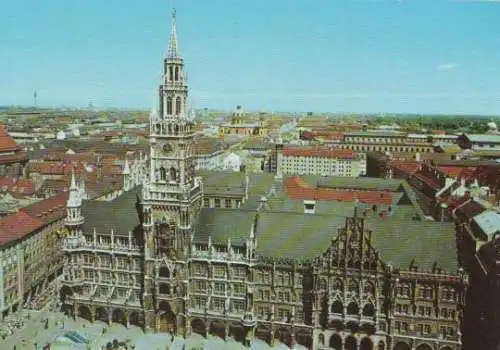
<point x="297" y="55"/>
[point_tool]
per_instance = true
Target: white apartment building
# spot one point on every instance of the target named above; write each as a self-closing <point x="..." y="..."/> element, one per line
<point x="324" y="161"/>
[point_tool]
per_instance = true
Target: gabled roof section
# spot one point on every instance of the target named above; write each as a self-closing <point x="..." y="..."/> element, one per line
<point x="16" y="226"/>
<point x="48" y="210"/>
<point x="7" y="143"/>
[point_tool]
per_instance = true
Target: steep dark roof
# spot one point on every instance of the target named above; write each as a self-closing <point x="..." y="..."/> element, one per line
<point x="120" y="214"/>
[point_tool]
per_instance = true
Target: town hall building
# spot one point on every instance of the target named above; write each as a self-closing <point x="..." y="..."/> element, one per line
<point x="324" y="271"/>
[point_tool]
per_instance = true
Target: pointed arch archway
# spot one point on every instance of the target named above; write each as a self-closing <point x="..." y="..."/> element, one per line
<point x="101" y="314"/>
<point x="135" y="319"/>
<point x="337" y="307"/>
<point x="218" y="329"/>
<point x="304" y="338"/>
<point x="335" y="342"/>
<point x="237" y="332"/>
<point x="166" y="318"/>
<point x="381" y="345"/>
<point x="351" y="343"/>
<point x="65" y="294"/>
<point x="263" y="333"/>
<point x="424" y="346"/>
<point x="118" y="316"/>
<point x="284" y="336"/>
<point x="402" y="346"/>
<point x="366" y="344"/>
<point x="84" y="312"/>
<point x="352" y="308"/>
<point x="198" y="326"/>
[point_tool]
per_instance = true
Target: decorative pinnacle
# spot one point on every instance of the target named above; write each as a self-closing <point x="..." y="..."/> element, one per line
<point x="73" y="180"/>
<point x="173" y="50"/>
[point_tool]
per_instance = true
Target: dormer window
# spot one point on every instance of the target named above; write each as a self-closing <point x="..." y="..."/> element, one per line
<point x="309" y="207"/>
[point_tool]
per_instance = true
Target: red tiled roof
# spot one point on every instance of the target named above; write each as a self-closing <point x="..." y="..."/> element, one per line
<point x="55" y="168"/>
<point x="16" y="226"/>
<point x="20" y="186"/>
<point x="318" y="152"/>
<point x="405" y="167"/>
<point x="7" y="143"/>
<point x="428" y="180"/>
<point x="455" y="171"/>
<point x="488" y="175"/>
<point x="467" y="211"/>
<point x="48" y="210"/>
<point x="296" y="188"/>
<point x="455" y="202"/>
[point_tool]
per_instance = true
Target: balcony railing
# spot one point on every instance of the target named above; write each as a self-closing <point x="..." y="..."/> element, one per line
<point x="99" y="246"/>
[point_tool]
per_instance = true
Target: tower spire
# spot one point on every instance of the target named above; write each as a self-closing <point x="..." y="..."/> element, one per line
<point x="173" y="50"/>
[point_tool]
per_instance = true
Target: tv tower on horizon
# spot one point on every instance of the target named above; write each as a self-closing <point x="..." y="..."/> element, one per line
<point x="34" y="97"/>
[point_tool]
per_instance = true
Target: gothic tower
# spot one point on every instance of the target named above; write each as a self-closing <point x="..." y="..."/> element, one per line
<point x="74" y="219"/>
<point x="172" y="196"/>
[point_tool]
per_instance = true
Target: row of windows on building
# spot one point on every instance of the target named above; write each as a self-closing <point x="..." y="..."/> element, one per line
<point x="114" y="293"/>
<point x="218" y="304"/>
<point x="219" y="271"/>
<point x="219" y="288"/>
<point x="118" y="262"/>
<point x="280" y="296"/>
<point x="427" y="292"/>
<point x="217" y="203"/>
<point x="423" y="329"/>
<point x="109" y="277"/>
<point x="406" y="309"/>
<point x="283" y="314"/>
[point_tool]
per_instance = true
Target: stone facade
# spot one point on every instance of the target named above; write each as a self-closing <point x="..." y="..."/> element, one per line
<point x="165" y="274"/>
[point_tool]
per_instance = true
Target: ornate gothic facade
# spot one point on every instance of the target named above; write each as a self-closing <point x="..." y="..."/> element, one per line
<point x="154" y="258"/>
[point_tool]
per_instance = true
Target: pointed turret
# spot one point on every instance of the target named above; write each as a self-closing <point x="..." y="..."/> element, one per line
<point x="153" y="114"/>
<point x="173" y="49"/>
<point x="126" y="167"/>
<point x="83" y="192"/>
<point x="127" y="178"/>
<point x="74" y="199"/>
<point x="74" y="218"/>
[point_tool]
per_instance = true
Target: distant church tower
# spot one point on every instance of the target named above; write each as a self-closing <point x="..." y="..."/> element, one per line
<point x="172" y="196"/>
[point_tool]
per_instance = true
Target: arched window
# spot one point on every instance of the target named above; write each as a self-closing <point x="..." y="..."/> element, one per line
<point x="170" y="73"/>
<point x="173" y="174"/>
<point x="169" y="105"/>
<point x="178" y="102"/>
<point x="176" y="73"/>
<point x="163" y="174"/>
<point x="337" y="307"/>
<point x="352" y="308"/>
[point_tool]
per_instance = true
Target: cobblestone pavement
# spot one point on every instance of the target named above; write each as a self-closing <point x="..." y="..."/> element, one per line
<point x="34" y="335"/>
